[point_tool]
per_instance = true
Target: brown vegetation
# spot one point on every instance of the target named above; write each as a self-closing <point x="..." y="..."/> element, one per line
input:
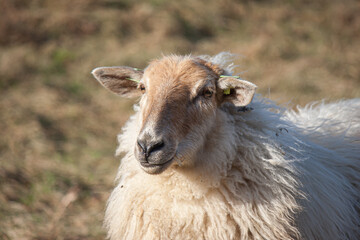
<point x="58" y="125"/>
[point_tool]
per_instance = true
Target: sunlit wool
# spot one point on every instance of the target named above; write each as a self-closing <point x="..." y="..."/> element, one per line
<point x="265" y="173"/>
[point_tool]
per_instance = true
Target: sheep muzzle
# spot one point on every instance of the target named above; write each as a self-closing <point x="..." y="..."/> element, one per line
<point x="154" y="152"/>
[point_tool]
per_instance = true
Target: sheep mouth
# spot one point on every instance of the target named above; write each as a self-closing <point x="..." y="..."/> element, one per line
<point x="158" y="168"/>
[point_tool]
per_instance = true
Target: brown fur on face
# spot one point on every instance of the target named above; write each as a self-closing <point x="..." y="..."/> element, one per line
<point x="174" y="86"/>
<point x="174" y="105"/>
<point x="211" y="66"/>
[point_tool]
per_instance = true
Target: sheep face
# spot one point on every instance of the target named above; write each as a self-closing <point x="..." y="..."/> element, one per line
<point x="179" y="100"/>
<point x="178" y="106"/>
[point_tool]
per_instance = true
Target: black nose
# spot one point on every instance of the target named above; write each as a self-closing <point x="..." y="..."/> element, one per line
<point x="148" y="147"/>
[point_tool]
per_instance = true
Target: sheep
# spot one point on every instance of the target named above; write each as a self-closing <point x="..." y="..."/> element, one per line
<point x="207" y="158"/>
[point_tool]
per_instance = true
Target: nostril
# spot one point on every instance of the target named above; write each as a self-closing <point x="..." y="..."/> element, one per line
<point x="148" y="147"/>
<point x="141" y="144"/>
<point x="156" y="146"/>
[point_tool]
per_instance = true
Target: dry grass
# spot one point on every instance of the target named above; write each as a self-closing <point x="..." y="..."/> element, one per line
<point x="58" y="126"/>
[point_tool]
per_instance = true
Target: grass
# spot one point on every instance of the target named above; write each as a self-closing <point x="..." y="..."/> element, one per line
<point x="58" y="126"/>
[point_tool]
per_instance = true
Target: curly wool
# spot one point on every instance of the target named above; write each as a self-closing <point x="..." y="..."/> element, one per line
<point x="262" y="177"/>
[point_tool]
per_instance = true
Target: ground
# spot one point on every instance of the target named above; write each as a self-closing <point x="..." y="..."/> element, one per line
<point x="58" y="125"/>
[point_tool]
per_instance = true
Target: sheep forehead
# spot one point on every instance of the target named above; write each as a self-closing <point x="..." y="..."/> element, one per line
<point x="176" y="74"/>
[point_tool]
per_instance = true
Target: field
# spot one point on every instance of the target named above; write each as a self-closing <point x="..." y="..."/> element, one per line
<point x="58" y="125"/>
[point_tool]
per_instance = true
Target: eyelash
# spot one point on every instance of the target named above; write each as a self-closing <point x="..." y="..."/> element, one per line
<point x="207" y="93"/>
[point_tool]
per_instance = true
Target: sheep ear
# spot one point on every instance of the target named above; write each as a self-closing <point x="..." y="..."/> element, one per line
<point x="121" y="80"/>
<point x="235" y="90"/>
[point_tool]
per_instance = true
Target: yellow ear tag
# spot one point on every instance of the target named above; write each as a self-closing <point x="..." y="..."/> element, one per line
<point x="227" y="91"/>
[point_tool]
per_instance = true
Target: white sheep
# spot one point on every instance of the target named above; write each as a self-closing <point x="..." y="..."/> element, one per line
<point x="204" y="160"/>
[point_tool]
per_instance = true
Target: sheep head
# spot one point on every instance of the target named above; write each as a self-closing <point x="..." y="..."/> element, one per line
<point x="178" y="107"/>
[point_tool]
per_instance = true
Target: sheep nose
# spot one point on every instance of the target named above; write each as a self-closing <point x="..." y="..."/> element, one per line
<point x="148" y="147"/>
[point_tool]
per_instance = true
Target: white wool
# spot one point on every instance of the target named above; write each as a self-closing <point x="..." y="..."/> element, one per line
<point x="264" y="174"/>
<point x="223" y="60"/>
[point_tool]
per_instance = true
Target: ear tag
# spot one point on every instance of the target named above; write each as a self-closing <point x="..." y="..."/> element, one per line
<point x="227" y="91"/>
<point x="223" y="76"/>
<point x="134" y="80"/>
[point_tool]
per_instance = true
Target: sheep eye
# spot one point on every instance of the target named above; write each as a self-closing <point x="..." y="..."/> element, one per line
<point x="142" y="88"/>
<point x="208" y="93"/>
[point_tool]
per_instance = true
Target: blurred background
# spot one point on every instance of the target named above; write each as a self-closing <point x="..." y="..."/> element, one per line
<point x="58" y="125"/>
